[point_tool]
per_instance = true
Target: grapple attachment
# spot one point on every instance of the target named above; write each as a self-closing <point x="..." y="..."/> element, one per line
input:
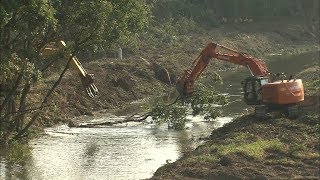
<point x="88" y="84"/>
<point x="185" y="85"/>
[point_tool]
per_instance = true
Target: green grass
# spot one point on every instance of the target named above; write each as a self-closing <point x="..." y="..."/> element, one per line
<point x="255" y="149"/>
<point x="300" y="151"/>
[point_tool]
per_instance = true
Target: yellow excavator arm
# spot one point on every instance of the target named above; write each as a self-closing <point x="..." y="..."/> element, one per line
<point x="87" y="80"/>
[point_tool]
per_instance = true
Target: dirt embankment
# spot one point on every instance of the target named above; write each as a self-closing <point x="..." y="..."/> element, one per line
<point x="250" y="149"/>
<point x="123" y="81"/>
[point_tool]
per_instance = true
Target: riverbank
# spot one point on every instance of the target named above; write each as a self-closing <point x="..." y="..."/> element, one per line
<point x="121" y="82"/>
<point x="248" y="148"/>
<point x="133" y="78"/>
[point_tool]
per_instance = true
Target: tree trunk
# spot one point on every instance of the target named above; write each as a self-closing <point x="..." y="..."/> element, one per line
<point x="11" y="93"/>
<point x="22" y="107"/>
<point x="36" y="115"/>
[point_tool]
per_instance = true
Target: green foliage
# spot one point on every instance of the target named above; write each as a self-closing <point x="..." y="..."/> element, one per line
<point x="24" y="26"/>
<point x="16" y="66"/>
<point x="28" y="26"/>
<point x="174" y="115"/>
<point x="210" y="13"/>
<point x="189" y="9"/>
<point x="168" y="32"/>
<point x="128" y="17"/>
<point x="17" y="153"/>
<point x="204" y="102"/>
<point x="316" y="84"/>
<point x="173" y="18"/>
<point x="181" y="17"/>
<point x="87" y="24"/>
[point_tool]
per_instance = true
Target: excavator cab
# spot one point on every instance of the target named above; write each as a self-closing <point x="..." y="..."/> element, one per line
<point x="252" y="89"/>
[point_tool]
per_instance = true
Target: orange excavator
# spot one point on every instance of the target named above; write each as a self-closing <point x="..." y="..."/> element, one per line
<point x="259" y="89"/>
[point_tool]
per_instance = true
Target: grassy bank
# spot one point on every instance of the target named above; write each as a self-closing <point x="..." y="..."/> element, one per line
<point x="247" y="148"/>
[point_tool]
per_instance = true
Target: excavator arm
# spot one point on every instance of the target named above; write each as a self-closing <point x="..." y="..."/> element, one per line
<point x="186" y="82"/>
<point x="87" y="80"/>
<point x="258" y="89"/>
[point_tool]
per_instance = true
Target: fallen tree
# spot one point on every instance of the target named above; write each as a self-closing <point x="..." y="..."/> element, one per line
<point x="205" y="102"/>
<point x="109" y="123"/>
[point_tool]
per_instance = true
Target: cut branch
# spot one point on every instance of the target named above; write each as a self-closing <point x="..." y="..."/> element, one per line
<point x="126" y="120"/>
<point x="108" y="123"/>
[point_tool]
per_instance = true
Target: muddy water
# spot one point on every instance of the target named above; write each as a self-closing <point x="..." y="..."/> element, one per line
<point x="129" y="151"/>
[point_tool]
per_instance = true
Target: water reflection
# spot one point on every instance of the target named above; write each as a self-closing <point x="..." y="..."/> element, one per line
<point x="11" y="169"/>
<point x="104" y="153"/>
<point x="131" y="152"/>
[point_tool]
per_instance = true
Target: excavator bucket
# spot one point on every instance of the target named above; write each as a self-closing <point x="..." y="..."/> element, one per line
<point x="87" y="80"/>
<point x="88" y="83"/>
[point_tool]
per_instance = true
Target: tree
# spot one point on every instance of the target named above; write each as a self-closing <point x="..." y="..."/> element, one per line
<point x="27" y="26"/>
<point x="309" y="10"/>
<point x="205" y="101"/>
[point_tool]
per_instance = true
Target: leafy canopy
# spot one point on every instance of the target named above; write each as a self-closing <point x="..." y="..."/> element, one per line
<point x="205" y="102"/>
<point x="26" y="27"/>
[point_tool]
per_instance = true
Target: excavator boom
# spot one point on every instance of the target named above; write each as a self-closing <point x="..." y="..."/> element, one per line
<point x="212" y="50"/>
<point x="87" y="80"/>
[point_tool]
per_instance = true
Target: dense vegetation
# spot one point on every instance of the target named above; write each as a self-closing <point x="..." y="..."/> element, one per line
<point x="187" y="15"/>
<point x="98" y="26"/>
<point x="27" y="26"/>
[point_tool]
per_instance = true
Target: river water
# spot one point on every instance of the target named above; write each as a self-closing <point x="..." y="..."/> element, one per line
<point x="132" y="150"/>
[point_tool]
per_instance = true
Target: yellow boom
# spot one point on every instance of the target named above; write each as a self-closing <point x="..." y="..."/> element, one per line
<point x="86" y="79"/>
